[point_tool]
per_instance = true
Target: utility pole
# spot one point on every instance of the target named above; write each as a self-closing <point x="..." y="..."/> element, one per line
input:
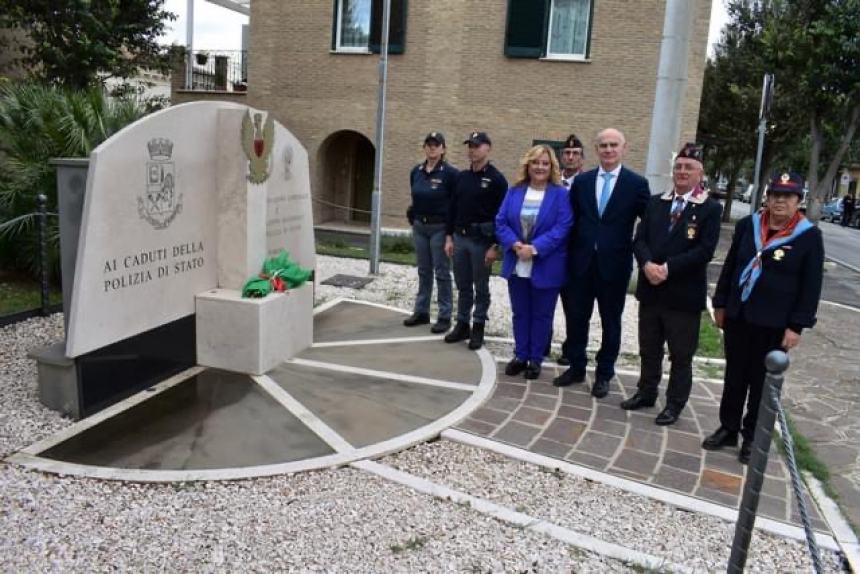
<point x="764" y="111"/>
<point x="376" y="198"/>
<point x="189" y="45"/>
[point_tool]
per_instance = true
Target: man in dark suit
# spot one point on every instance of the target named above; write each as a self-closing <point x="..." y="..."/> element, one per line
<point x="674" y="243"/>
<point x="606" y="201"/>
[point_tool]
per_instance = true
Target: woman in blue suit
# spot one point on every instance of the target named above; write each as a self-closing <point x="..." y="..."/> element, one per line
<point x="532" y="227"/>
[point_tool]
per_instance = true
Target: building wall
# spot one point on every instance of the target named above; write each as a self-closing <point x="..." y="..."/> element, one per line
<point x="454" y="77"/>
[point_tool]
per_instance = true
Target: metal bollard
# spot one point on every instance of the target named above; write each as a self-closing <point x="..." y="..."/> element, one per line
<point x="42" y="205"/>
<point x="776" y="363"/>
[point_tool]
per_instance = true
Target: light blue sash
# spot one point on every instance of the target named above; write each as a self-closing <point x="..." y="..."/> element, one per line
<point x="752" y="271"/>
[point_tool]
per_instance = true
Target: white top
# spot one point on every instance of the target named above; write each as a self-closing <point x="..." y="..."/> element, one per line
<point x="598" y="184"/>
<point x="528" y="217"/>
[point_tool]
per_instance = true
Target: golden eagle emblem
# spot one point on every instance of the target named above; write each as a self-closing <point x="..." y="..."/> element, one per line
<point x="258" y="141"/>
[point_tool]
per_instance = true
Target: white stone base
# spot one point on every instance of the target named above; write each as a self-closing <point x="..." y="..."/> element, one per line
<point x="253" y="335"/>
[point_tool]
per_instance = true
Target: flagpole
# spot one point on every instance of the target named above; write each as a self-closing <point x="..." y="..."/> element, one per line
<point x="376" y="198"/>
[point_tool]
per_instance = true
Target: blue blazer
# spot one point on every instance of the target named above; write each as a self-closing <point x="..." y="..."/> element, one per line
<point x="549" y="237"/>
<point x="609" y="238"/>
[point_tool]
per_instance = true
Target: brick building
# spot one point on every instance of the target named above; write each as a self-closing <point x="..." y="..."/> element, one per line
<point x="522" y="70"/>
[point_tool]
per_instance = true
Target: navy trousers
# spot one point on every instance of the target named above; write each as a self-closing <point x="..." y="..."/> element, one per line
<point x="533" y="310"/>
<point x="472" y="277"/>
<point x="581" y="292"/>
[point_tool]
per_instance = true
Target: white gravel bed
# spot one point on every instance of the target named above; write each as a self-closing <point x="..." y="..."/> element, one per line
<point x="397" y="285"/>
<point x="613" y="515"/>
<point x="334" y="521"/>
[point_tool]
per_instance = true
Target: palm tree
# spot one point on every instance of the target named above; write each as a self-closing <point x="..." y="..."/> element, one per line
<point x="38" y="123"/>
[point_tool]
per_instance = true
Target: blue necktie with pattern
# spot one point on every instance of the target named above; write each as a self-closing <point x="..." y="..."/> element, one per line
<point x="677" y="210"/>
<point x="604" y="194"/>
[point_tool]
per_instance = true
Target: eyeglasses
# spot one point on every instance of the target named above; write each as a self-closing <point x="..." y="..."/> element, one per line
<point x="684" y="167"/>
<point x="608" y="145"/>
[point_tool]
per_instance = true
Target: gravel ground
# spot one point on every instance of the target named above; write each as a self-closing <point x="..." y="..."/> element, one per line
<point x="696" y="540"/>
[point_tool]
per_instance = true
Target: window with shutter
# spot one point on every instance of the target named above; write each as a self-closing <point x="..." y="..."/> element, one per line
<point x="352" y="24"/>
<point x="525" y="33"/>
<point x="569" y="24"/>
<point x="396" y="31"/>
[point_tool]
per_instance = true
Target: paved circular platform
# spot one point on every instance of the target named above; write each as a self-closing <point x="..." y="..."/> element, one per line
<point x="367" y="387"/>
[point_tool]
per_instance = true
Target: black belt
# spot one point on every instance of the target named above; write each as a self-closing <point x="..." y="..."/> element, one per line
<point x="472" y="229"/>
<point x="431" y="219"/>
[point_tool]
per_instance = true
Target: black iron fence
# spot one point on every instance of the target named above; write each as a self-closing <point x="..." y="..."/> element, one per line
<point x="218" y="70"/>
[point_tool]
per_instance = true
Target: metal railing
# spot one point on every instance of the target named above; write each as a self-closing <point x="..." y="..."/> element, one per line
<point x="217" y="70"/>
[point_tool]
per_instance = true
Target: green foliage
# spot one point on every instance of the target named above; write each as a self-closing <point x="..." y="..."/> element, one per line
<point x="710" y="339"/>
<point x="38" y="123"/>
<point x="18" y="296"/>
<point x="77" y="43"/>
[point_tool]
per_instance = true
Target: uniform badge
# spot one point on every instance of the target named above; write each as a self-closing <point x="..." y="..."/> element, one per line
<point x="485" y="183"/>
<point x="778" y="255"/>
<point x="692" y="230"/>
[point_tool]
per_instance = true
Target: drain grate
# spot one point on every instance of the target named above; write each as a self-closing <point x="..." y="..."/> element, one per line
<point x="350" y="281"/>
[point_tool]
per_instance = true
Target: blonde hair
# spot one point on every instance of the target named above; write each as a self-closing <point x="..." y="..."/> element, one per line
<point x="522" y="176"/>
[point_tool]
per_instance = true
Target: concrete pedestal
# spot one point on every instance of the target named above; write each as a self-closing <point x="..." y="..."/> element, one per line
<point x="58" y="379"/>
<point x="253" y="335"/>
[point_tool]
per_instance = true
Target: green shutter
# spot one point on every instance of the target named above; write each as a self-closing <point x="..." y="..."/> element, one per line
<point x="525" y="33"/>
<point x="334" y="26"/>
<point x="397" y="27"/>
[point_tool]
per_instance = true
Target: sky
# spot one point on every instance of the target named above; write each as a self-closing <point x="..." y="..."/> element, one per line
<point x="217" y="28"/>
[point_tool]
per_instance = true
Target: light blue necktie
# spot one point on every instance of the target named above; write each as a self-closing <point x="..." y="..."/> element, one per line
<point x="604" y="194"/>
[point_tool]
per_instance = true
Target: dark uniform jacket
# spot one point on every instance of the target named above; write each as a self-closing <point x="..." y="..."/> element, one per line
<point x="609" y="238"/>
<point x="788" y="290"/>
<point x="476" y="201"/>
<point x="686" y="250"/>
<point x="431" y="192"/>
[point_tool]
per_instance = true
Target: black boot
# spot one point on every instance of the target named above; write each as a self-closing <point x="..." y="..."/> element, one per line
<point x="417" y="319"/>
<point x="476" y="341"/>
<point x="461" y="332"/>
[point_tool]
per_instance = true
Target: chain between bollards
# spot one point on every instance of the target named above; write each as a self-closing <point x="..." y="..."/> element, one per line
<point x="42" y="205"/>
<point x="776" y="363"/>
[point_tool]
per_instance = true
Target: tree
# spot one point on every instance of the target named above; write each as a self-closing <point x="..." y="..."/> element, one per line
<point x="78" y="43"/>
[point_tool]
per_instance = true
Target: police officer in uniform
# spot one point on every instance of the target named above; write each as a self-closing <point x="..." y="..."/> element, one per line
<point x="766" y="296"/>
<point x="432" y="185"/>
<point x="675" y="240"/>
<point x="478" y="193"/>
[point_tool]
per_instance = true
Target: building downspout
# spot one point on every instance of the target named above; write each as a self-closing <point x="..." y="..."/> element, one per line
<point x="670" y="92"/>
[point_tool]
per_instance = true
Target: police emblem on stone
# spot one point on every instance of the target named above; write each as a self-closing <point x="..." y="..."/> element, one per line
<point x="161" y="204"/>
<point x="257" y="141"/>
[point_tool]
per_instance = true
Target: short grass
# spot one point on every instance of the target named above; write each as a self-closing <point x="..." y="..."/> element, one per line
<point x="710" y="338"/>
<point x="805" y="458"/>
<point x="18" y="295"/>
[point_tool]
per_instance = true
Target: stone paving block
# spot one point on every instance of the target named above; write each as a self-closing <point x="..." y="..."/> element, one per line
<point x="564" y="431"/>
<point x="686" y="424"/>
<point x="611" y="413"/>
<point x="599" y="444"/>
<point x="543" y="388"/>
<point x="642" y="421"/>
<point x="634" y="461"/>
<point x="489" y="415"/>
<point x="574" y="413"/>
<point x="683" y="442"/>
<point x="550" y="448"/>
<point x="776" y="468"/>
<point x="645" y="441"/>
<point x="724" y="460"/>
<point x="775" y="487"/>
<point x="682" y="461"/>
<point x="478" y="427"/>
<point x="575" y="398"/>
<point x="588" y="460"/>
<point x="540" y="402"/>
<point x="700" y="390"/>
<point x="717" y="496"/>
<point x="614" y="428"/>
<point x="715" y="388"/>
<point x="532" y="416"/>
<point x="503" y="378"/>
<point x="517" y="433"/>
<point x="510" y="391"/>
<point x="772" y="507"/>
<point x="502" y="403"/>
<point x="628" y="474"/>
<point x="722" y="481"/>
<point x="675" y="479"/>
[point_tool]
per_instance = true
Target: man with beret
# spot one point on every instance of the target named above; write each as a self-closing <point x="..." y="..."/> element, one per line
<point x="767" y="294"/>
<point x="471" y="238"/>
<point x="674" y="243"/>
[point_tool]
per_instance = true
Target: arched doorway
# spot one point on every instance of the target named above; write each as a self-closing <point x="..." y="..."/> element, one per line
<point x="346" y="158"/>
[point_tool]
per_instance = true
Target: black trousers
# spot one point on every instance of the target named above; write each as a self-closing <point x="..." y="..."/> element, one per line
<point x="746" y="347"/>
<point x="680" y="329"/>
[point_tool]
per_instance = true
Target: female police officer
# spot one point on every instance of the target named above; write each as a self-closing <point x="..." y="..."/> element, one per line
<point x="767" y="294"/>
<point x="432" y="184"/>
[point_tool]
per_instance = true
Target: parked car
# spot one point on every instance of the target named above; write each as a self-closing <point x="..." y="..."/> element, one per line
<point x="746" y="196"/>
<point x="832" y="211"/>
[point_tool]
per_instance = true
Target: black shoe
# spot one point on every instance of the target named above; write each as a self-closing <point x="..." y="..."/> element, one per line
<point x="532" y="370"/>
<point x="515" y="367"/>
<point x="441" y="326"/>
<point x="721" y="437"/>
<point x="568" y="378"/>
<point x="668" y="416"/>
<point x="476" y="341"/>
<point x="600" y="388"/>
<point x="563" y="361"/>
<point x="461" y="332"/>
<point x="637" y="402"/>
<point x="417" y="319"/>
<point x="746" y="452"/>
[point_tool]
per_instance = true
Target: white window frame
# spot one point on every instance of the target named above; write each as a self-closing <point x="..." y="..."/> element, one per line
<point x="562" y="56"/>
<point x="338" y="24"/>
